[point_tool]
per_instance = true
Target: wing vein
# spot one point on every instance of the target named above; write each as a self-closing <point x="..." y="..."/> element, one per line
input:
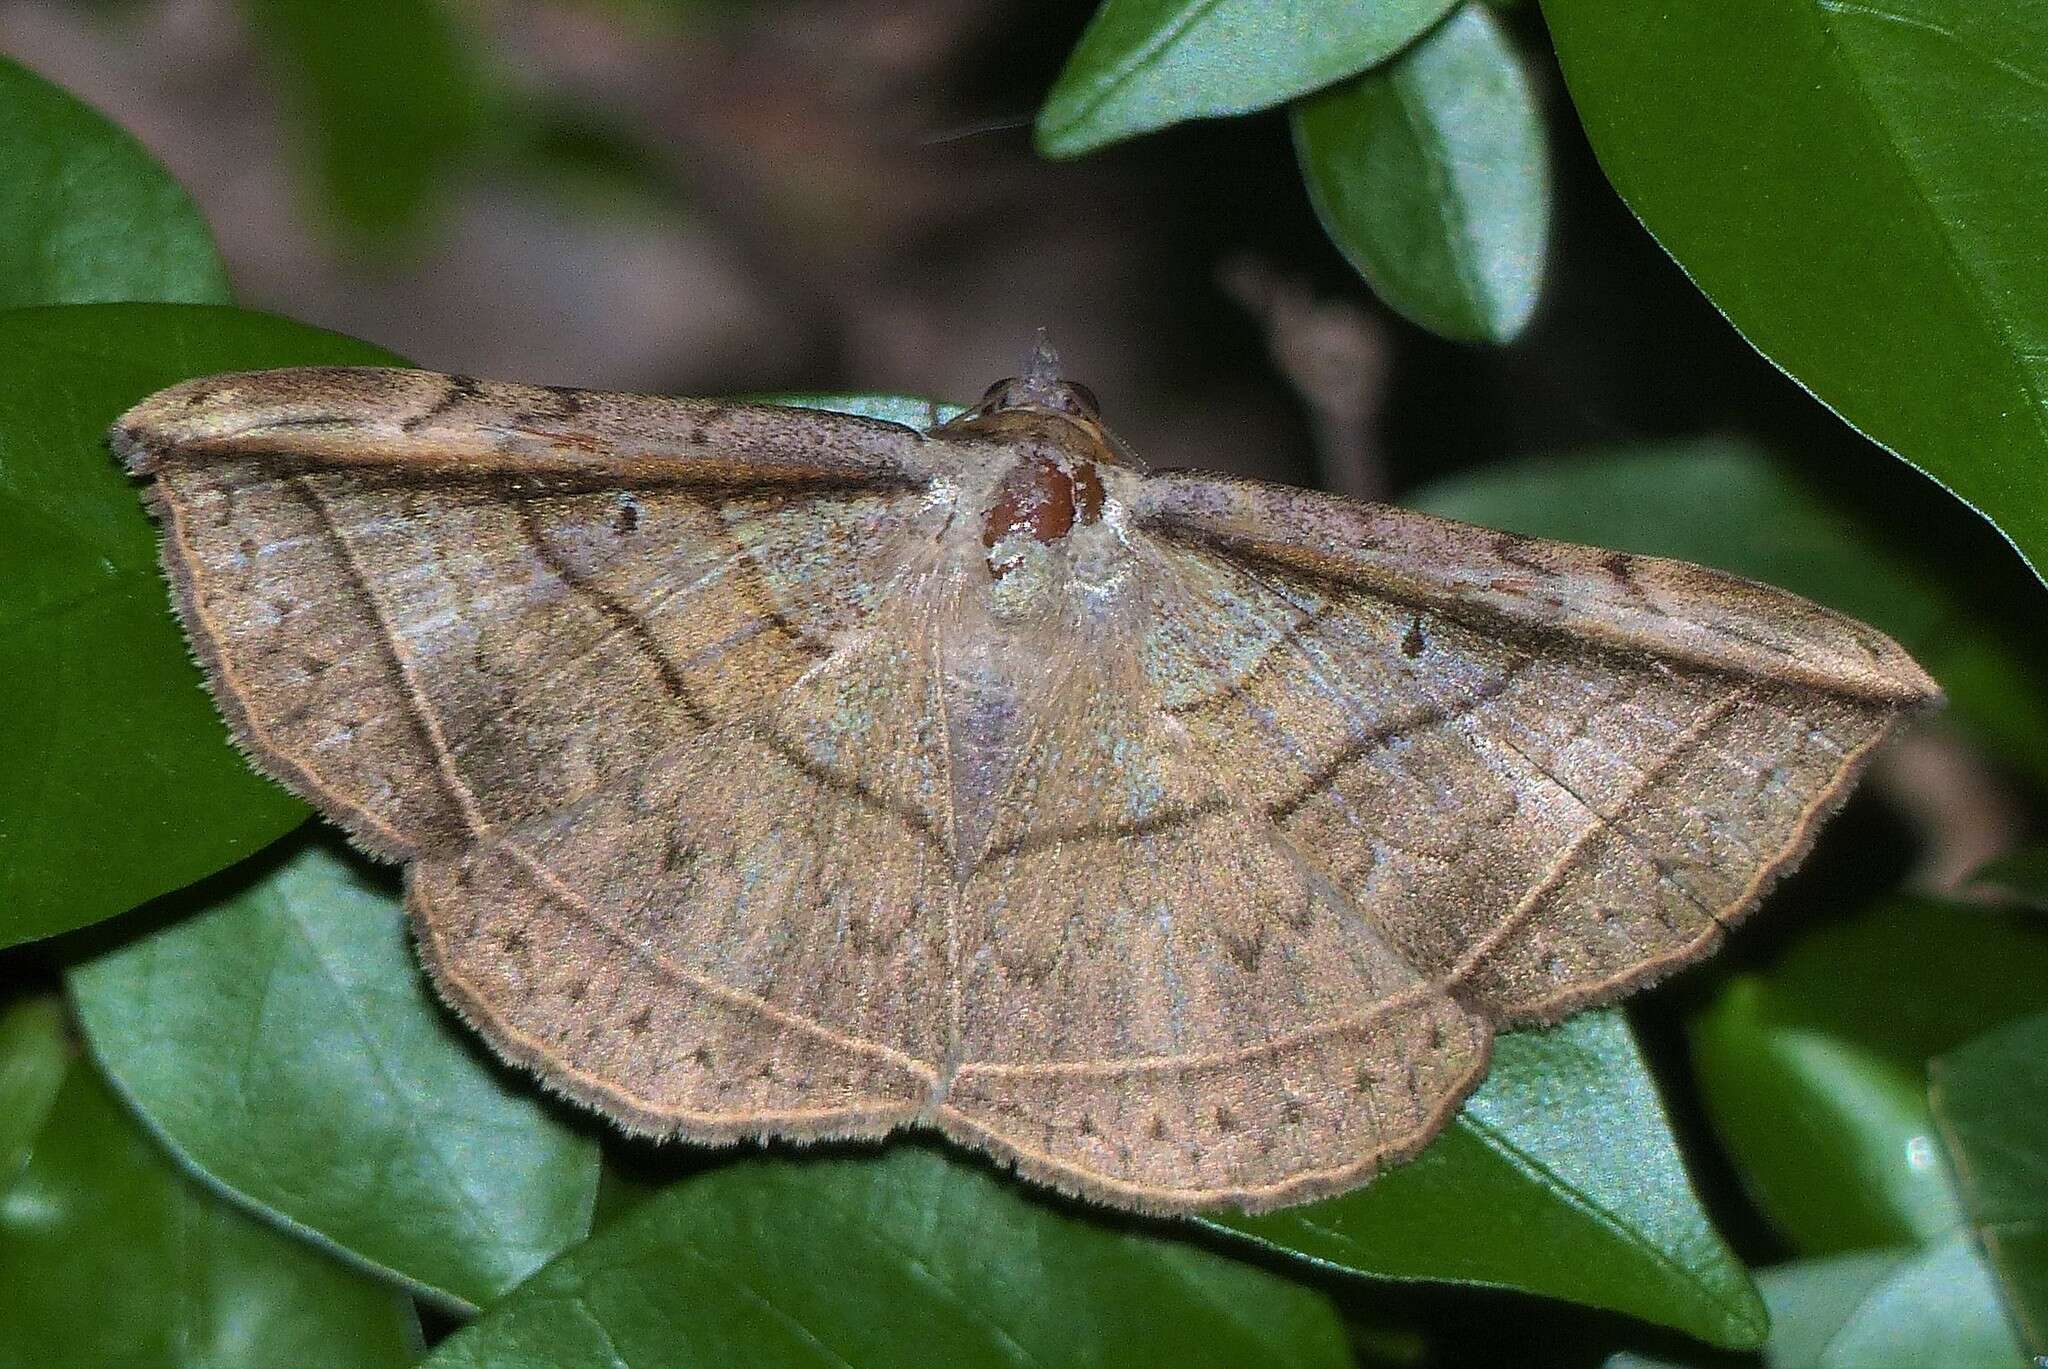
<point x="1708" y="718"/>
<point x="423" y="714"/>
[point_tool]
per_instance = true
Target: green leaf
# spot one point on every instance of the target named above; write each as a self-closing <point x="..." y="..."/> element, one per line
<point x="86" y="214"/>
<point x="1725" y="504"/>
<point x="111" y="1257"/>
<point x="1432" y="174"/>
<point x="908" y="1258"/>
<point x="909" y="410"/>
<point x="1901" y="1309"/>
<point x="1144" y="64"/>
<point x="1880" y="1309"/>
<point x="1859" y="188"/>
<point x="33" y="1058"/>
<point x="1814" y="1071"/>
<point x="389" y="99"/>
<point x="1991" y="1100"/>
<point x="1834" y="1141"/>
<point x="282" y="1041"/>
<point x="1560" y="1177"/>
<point x="125" y="785"/>
<point x="2021" y="877"/>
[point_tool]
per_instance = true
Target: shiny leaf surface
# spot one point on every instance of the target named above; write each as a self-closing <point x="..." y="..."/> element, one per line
<point x="281" y="1040"/>
<point x="1879" y="1309"/>
<point x="1858" y="187"/>
<point x="109" y="1256"/>
<point x="1814" y="1071"/>
<point x="908" y="1258"/>
<point x="1990" y="1099"/>
<point x="130" y="786"/>
<point x="1560" y="1177"/>
<point x="1144" y="64"/>
<point x="1432" y="174"/>
<point x="1905" y="1309"/>
<point x="86" y="215"/>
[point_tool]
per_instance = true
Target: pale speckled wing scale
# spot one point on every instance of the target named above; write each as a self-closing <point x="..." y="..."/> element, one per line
<point x="1344" y="789"/>
<point x="1548" y="772"/>
<point x="519" y="636"/>
<point x="1163" y="1005"/>
<point x="1179" y="840"/>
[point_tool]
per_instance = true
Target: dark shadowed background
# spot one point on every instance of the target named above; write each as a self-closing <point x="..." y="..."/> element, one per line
<point x="794" y="196"/>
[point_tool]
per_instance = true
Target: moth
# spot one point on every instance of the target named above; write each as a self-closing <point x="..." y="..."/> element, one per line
<point x="1178" y="840"/>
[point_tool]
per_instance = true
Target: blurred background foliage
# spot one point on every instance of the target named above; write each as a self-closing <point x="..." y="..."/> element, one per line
<point x="1711" y="282"/>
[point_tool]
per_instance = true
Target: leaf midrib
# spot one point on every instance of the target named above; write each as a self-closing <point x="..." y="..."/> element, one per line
<point x="1735" y="1315"/>
<point x="1447" y="198"/>
<point x="1834" y="53"/>
<point x="1140" y="57"/>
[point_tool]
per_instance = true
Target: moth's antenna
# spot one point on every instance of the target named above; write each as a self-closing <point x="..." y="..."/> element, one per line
<point x="976" y="130"/>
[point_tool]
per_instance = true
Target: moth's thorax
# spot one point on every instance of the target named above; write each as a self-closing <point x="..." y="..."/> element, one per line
<point x="1039" y="507"/>
<point x="1042" y="498"/>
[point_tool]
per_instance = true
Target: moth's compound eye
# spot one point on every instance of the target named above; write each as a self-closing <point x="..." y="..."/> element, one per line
<point x="1077" y="398"/>
<point x="1030" y="392"/>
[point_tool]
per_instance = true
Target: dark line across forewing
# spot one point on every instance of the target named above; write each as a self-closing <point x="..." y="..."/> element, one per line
<point x="1535" y="590"/>
<point x="1428" y="713"/>
<point x="619" y="614"/>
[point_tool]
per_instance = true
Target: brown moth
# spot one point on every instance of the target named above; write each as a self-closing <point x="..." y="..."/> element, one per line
<point x="1180" y="840"/>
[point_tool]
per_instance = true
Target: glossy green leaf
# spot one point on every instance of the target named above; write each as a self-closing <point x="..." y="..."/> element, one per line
<point x="1814" y="1072"/>
<point x="86" y="215"/>
<point x="123" y="785"/>
<point x="909" y="410"/>
<point x="1835" y="1141"/>
<point x="1560" y="1177"/>
<point x="1726" y="504"/>
<point x="1990" y="1099"/>
<point x="1432" y="174"/>
<point x="1144" y="64"/>
<point x="283" y="1042"/>
<point x="33" y="1059"/>
<point x="1880" y="1309"/>
<point x="1903" y="1309"/>
<point x="388" y="98"/>
<point x="109" y="1256"/>
<point x="907" y="1258"/>
<point x="1859" y="187"/>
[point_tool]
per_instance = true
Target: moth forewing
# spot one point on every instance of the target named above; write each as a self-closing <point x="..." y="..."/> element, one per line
<point x="423" y="423"/>
<point x="1646" y="604"/>
<point x="1180" y="840"/>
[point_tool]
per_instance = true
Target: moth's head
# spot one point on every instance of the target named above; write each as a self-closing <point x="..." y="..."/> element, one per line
<point x="1042" y="407"/>
<point x="1040" y="393"/>
<point x="1037" y="394"/>
<point x="1044" y="463"/>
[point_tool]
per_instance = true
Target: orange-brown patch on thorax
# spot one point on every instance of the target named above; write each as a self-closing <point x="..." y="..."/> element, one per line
<point x="1043" y="498"/>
